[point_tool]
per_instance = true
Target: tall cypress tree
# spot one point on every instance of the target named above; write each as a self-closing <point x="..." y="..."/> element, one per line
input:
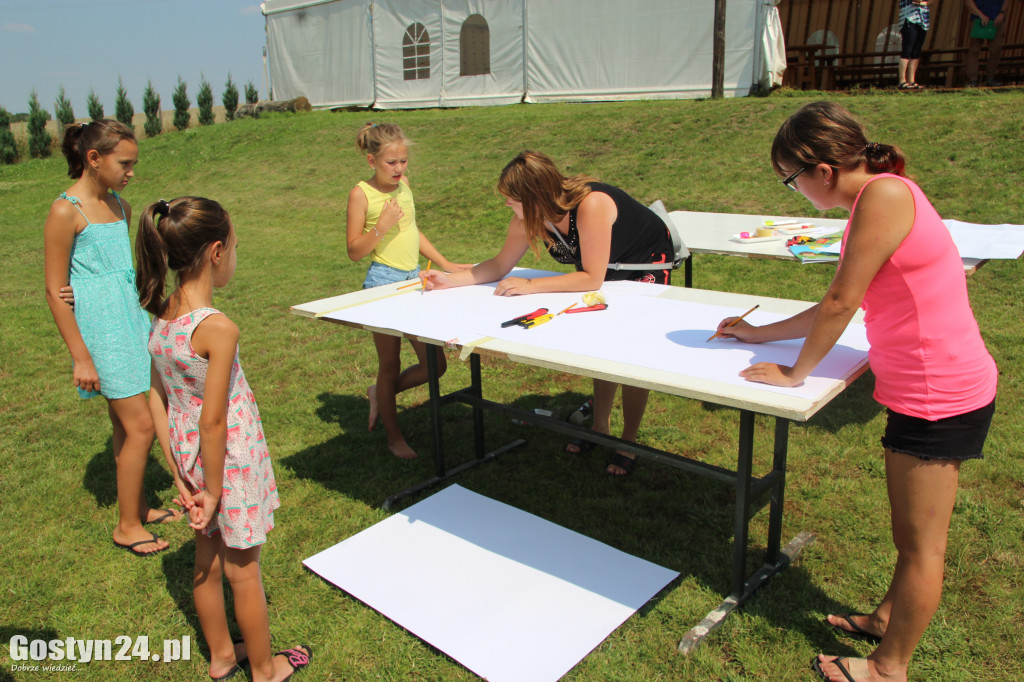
<point x="151" y="105"/>
<point x="181" y="105"/>
<point x="95" y="106"/>
<point x="38" y="139"/>
<point x="123" y="109"/>
<point x="8" y="147"/>
<point x="205" y="101"/>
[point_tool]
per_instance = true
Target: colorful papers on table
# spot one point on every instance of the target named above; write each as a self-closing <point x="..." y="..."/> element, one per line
<point x="820" y="250"/>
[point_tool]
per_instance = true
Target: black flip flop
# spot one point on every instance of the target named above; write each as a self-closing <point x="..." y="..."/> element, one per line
<point x="857" y="632"/>
<point x="623" y="462"/>
<point x="132" y="546"/>
<point x="582" y="446"/>
<point x="160" y="519"/>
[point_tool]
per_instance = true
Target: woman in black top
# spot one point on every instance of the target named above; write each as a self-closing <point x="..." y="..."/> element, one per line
<point x="590" y="225"/>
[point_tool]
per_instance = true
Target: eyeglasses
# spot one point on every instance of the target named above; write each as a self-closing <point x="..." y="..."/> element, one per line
<point x="790" y="181"/>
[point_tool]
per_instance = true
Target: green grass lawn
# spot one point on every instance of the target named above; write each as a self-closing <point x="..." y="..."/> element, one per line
<point x="285" y="180"/>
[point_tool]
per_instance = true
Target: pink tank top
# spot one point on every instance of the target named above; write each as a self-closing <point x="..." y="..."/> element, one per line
<point x="927" y="354"/>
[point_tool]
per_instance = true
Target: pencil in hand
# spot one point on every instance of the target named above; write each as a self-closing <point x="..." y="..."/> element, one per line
<point x="717" y="334"/>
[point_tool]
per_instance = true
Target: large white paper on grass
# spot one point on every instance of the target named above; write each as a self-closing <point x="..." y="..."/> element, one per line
<point x="512" y="597"/>
<point x="638" y="328"/>
<point x="987" y="241"/>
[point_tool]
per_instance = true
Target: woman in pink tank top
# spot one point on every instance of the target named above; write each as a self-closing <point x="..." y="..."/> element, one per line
<point x="932" y="370"/>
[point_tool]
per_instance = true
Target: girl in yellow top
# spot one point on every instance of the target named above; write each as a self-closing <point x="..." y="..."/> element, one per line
<point x="381" y="222"/>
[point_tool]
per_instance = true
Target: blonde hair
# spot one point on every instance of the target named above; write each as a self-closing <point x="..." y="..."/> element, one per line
<point x="373" y="137"/>
<point x="533" y="179"/>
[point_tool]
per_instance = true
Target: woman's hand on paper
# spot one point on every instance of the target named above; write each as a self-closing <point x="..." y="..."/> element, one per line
<point x="435" y="279"/>
<point x="770" y="373"/>
<point x="741" y="331"/>
<point x="514" y="286"/>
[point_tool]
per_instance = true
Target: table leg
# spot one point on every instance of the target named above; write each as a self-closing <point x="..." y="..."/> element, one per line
<point x="741" y="519"/>
<point x="476" y="389"/>
<point x="434" y="389"/>
<point x="688" y="272"/>
<point x="778" y="490"/>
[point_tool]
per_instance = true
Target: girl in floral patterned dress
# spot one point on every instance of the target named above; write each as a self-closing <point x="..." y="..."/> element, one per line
<point x="227" y="482"/>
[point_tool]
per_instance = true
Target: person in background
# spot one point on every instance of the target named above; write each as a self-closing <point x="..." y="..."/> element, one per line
<point x="985" y="13"/>
<point x="914" y="17"/>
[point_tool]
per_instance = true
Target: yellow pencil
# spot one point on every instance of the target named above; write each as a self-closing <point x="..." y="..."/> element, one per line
<point x="419" y="281"/>
<point x="569" y="308"/>
<point x="716" y="334"/>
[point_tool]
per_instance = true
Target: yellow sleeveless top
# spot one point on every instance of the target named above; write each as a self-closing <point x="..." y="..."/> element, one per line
<point x="400" y="246"/>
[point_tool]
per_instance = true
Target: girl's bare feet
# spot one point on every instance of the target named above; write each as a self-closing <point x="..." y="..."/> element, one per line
<point x="401" y="449"/>
<point x="371" y="395"/>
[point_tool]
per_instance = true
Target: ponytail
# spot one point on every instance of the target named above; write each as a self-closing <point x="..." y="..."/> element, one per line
<point x="884" y="158"/>
<point x="151" y="262"/>
<point x="174" y="236"/>
<point x="102" y="135"/>
<point x="825" y="132"/>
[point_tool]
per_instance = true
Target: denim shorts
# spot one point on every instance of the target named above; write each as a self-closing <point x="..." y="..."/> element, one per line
<point x="951" y="438"/>
<point x="379" y="274"/>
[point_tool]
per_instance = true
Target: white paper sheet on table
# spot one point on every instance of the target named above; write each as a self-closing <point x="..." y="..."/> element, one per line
<point x="641" y="330"/>
<point x="509" y="595"/>
<point x="987" y="241"/>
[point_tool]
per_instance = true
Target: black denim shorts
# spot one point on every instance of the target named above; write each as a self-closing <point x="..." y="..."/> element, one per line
<point x="959" y="437"/>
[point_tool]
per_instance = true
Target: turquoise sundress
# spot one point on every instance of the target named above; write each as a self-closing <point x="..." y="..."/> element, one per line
<point x="114" y="326"/>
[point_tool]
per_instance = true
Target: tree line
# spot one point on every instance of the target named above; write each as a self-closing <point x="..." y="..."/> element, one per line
<point x="40" y="142"/>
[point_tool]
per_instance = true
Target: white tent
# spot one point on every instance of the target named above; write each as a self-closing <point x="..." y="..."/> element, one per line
<point x="422" y="53"/>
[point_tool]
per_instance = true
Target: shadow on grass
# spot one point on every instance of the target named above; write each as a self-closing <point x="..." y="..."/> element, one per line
<point x="680" y="521"/>
<point x="100" y="478"/>
<point x="8" y="632"/>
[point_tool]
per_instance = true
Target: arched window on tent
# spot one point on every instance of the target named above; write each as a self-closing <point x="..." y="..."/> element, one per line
<point x="475" y="46"/>
<point x="416" y="53"/>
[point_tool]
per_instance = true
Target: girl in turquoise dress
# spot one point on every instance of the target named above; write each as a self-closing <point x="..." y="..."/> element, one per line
<point x="215" y="430"/>
<point x="87" y="247"/>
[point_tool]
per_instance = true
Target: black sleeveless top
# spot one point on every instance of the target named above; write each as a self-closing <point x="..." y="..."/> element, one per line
<point x="638" y="236"/>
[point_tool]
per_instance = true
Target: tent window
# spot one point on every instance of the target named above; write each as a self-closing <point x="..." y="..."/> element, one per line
<point x="416" y="53"/>
<point x="475" y="46"/>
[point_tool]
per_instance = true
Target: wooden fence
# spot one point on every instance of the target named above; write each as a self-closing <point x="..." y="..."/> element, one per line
<point x="838" y="44"/>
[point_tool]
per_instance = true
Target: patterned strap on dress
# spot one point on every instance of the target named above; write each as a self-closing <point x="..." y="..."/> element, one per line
<point x="77" y="203"/>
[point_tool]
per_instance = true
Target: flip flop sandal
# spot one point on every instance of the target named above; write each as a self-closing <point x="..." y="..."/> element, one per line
<point x="623" y="462"/>
<point x="132" y="546"/>
<point x="904" y="86"/>
<point x="297" y="658"/>
<point x="235" y="669"/>
<point x="856" y="631"/>
<point x="582" y="446"/>
<point x="856" y="667"/>
<point x="167" y="513"/>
